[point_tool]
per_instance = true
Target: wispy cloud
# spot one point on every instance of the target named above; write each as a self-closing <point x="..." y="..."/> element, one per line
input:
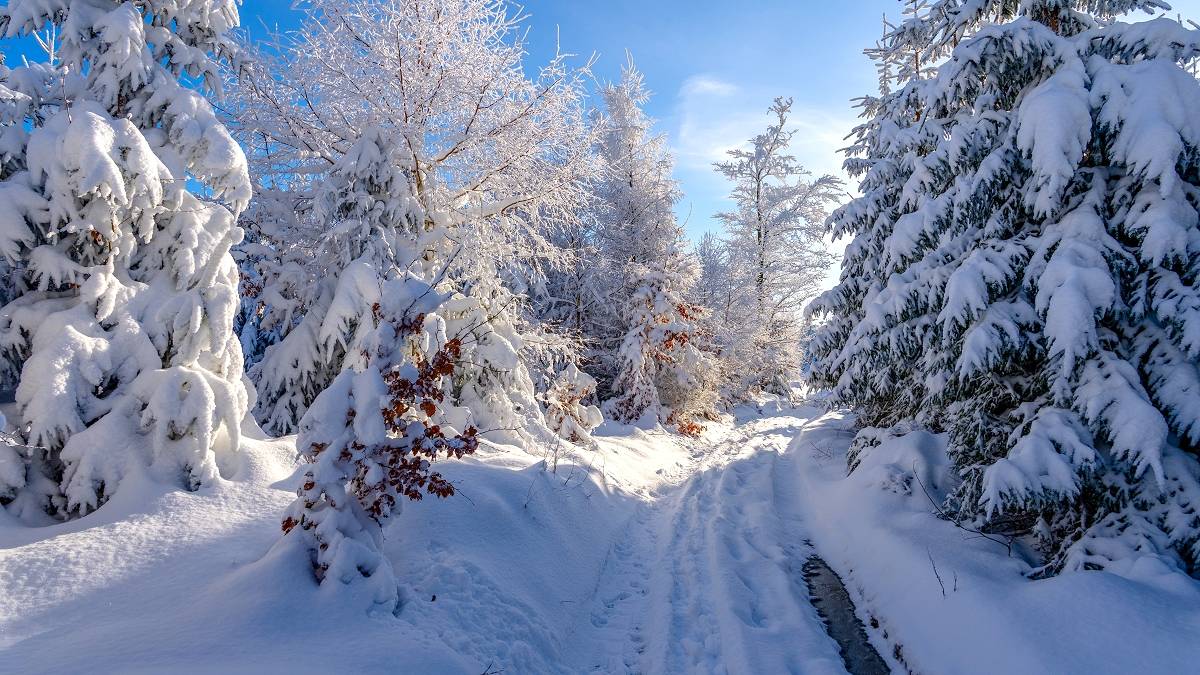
<point x="712" y="116"/>
<point x="710" y="121"/>
<point x="706" y="85"/>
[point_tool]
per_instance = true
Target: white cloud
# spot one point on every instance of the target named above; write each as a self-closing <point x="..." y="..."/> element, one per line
<point x="706" y="85"/>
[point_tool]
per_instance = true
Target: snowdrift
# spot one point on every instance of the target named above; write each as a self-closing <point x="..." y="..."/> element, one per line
<point x="950" y="601"/>
<point x="161" y="580"/>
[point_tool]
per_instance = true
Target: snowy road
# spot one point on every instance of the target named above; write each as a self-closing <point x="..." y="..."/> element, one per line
<point x="673" y="558"/>
<point x="707" y="577"/>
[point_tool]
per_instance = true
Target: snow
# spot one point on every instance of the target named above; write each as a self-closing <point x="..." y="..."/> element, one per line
<point x="1045" y="459"/>
<point x="991" y="619"/>
<point x="164" y="579"/>
<point x="708" y="577"/>
<point x="651" y="552"/>
<point x="1055" y="124"/>
<point x="451" y="258"/>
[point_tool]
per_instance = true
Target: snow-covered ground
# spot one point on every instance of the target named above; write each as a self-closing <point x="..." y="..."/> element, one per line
<point x="651" y="554"/>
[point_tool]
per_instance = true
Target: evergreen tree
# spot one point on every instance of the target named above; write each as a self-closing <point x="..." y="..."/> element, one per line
<point x="637" y="192"/>
<point x="370" y="436"/>
<point x="120" y="324"/>
<point x="566" y="411"/>
<point x="273" y="263"/>
<point x="665" y="372"/>
<point x="1022" y="271"/>
<point x="374" y="232"/>
<point x="647" y="334"/>
<point x="634" y="201"/>
<point x="571" y="296"/>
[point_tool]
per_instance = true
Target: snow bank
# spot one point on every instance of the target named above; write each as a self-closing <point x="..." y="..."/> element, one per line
<point x="983" y="616"/>
<point x="160" y="579"/>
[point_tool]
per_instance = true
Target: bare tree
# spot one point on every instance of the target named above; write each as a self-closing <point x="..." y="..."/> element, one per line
<point x="494" y="160"/>
<point x="776" y="253"/>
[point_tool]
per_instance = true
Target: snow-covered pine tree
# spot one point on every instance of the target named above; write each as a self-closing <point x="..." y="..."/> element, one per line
<point x="636" y="194"/>
<point x="775" y="258"/>
<point x="122" y="324"/>
<point x="650" y="336"/>
<point x="570" y="300"/>
<point x="665" y="373"/>
<point x="492" y="159"/>
<point x="374" y="231"/>
<point x="272" y="260"/>
<point x="1022" y="272"/>
<point x="370" y="436"/>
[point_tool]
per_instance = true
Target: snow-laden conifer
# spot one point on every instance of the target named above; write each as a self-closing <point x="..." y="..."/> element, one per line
<point x="120" y="327"/>
<point x="646" y="335"/>
<point x="636" y="194"/>
<point x="1022" y="271"/>
<point x="664" y="374"/>
<point x="567" y="411"/>
<point x="374" y="230"/>
<point x="370" y="436"/>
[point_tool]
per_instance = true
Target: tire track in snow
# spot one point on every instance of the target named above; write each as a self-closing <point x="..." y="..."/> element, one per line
<point x="708" y="577"/>
<point x="612" y="639"/>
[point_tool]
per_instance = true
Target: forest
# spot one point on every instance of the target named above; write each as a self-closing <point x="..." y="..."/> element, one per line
<point x="378" y="343"/>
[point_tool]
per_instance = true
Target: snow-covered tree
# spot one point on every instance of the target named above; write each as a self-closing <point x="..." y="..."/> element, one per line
<point x="570" y="297"/>
<point x="567" y="412"/>
<point x="636" y="194"/>
<point x="1022" y="271"/>
<point x="269" y="261"/>
<point x="374" y="231"/>
<point x="775" y="257"/>
<point x="646" y="334"/>
<point x="485" y="162"/>
<point x="370" y="436"/>
<point x="121" y="324"/>
<point x="664" y="369"/>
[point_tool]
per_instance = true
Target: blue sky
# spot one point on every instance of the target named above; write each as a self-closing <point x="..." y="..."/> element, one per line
<point x="714" y="67"/>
